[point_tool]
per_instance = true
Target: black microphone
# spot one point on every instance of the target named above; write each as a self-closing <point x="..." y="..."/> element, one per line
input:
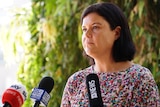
<point x="7" y="105"/>
<point x="41" y="94"/>
<point x="93" y="87"/>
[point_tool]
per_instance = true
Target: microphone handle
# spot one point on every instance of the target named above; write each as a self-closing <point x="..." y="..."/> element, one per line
<point x="37" y="103"/>
<point x="6" y="104"/>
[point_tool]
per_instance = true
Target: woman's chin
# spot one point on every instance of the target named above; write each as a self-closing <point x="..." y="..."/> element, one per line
<point x="89" y="52"/>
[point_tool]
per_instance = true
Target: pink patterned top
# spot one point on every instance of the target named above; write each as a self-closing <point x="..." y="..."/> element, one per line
<point x="134" y="87"/>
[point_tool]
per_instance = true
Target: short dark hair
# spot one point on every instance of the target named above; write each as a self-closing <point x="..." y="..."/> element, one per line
<point x="123" y="48"/>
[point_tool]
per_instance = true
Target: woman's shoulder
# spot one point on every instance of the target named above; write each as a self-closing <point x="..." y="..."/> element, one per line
<point x="81" y="73"/>
<point x="139" y="69"/>
<point x="140" y="72"/>
<point x="145" y="87"/>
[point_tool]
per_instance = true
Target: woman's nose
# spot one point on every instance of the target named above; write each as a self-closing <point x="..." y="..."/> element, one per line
<point x="88" y="33"/>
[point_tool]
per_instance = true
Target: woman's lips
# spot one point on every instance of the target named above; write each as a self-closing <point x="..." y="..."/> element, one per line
<point x="89" y="42"/>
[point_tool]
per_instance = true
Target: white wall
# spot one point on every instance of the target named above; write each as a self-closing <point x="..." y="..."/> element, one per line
<point x="7" y="75"/>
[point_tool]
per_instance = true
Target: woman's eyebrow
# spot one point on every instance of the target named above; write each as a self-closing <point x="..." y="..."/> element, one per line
<point x="97" y="23"/>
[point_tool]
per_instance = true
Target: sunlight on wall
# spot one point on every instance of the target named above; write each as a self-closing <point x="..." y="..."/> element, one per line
<point x="6" y="3"/>
<point x="8" y="71"/>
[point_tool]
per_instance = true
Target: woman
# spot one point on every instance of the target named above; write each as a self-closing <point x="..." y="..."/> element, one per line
<point x="107" y="42"/>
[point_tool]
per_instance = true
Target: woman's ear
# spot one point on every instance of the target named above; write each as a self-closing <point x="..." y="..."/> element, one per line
<point x="117" y="32"/>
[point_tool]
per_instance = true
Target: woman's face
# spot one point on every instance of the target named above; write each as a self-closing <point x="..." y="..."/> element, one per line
<point x="98" y="38"/>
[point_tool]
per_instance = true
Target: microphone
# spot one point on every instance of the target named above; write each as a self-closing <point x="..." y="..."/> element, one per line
<point x="93" y="87"/>
<point x="41" y="94"/>
<point x="14" y="96"/>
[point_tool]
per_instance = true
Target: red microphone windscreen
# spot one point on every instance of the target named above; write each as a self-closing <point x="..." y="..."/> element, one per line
<point x="15" y="96"/>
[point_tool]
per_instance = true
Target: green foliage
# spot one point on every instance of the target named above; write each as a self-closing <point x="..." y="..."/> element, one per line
<point x="144" y="22"/>
<point x="53" y="45"/>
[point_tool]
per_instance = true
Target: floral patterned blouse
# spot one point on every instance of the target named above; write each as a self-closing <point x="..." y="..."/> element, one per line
<point x="134" y="87"/>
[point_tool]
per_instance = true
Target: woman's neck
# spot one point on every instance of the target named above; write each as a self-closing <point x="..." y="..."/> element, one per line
<point x="111" y="66"/>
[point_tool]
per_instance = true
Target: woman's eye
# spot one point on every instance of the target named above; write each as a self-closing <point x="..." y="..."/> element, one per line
<point x="84" y="29"/>
<point x="95" y="27"/>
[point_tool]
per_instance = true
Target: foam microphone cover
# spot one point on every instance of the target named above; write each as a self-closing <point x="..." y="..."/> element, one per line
<point x="14" y="95"/>
<point x="47" y="84"/>
<point x="93" y="87"/>
<point x="41" y="94"/>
